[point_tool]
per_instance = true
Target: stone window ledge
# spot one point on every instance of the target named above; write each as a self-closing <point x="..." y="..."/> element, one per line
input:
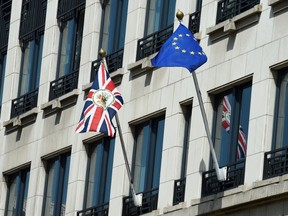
<point x="141" y="66"/>
<point x="236" y="23"/>
<point x="278" y="5"/>
<point x="22" y="120"/>
<point x="116" y="77"/>
<point x="60" y="103"/>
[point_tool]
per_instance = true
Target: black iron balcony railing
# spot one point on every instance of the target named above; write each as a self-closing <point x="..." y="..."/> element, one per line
<point x="153" y="42"/>
<point x="275" y="163"/>
<point x="114" y="61"/>
<point x="29" y="26"/>
<point x="229" y="8"/>
<point x="101" y="210"/>
<point x="149" y="203"/>
<point x="67" y="9"/>
<point x="194" y="22"/>
<point x="235" y="177"/>
<point x="63" y="85"/>
<point x="24" y="103"/>
<point x="179" y="191"/>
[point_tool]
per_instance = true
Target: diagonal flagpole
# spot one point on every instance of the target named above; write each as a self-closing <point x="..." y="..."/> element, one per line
<point x="220" y="172"/>
<point x="137" y="199"/>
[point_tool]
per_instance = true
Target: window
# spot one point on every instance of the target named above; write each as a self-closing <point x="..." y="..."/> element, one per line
<point x="280" y="135"/>
<point x="113" y="31"/>
<point x="70" y="45"/>
<point x="17" y="185"/>
<point x="160" y="14"/>
<point x="148" y="154"/>
<point x="56" y="184"/>
<point x="179" y="185"/>
<point x="5" y="12"/>
<point x="99" y="173"/>
<point x="70" y="15"/>
<point x="194" y="18"/>
<point x="231" y="121"/>
<point x="31" y="66"/>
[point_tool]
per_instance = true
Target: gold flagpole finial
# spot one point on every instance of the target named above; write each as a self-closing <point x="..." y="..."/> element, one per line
<point x="179" y="15"/>
<point x="102" y="53"/>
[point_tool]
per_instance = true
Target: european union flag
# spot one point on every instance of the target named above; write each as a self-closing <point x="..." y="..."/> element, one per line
<point x="180" y="50"/>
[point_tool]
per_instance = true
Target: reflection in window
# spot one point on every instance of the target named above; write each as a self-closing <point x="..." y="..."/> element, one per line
<point x="148" y="154"/>
<point x="231" y="124"/>
<point x="56" y="184"/>
<point x="100" y="163"/>
<point x="280" y="135"/>
<point x="17" y="193"/>
<point x="160" y="14"/>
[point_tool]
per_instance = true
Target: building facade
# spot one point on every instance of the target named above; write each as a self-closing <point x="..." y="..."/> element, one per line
<point x="48" y="60"/>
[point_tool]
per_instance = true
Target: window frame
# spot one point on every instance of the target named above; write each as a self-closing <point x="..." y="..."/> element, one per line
<point x="150" y="161"/>
<point x="236" y="92"/>
<point x="48" y="163"/>
<point x="21" y="178"/>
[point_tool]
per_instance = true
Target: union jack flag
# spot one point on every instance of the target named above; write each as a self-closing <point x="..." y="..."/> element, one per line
<point x="226" y="113"/>
<point x="102" y="103"/>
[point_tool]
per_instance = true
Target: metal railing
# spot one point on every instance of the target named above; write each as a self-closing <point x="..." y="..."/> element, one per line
<point x="275" y="163"/>
<point x="113" y="60"/>
<point x="179" y="191"/>
<point x="30" y="26"/>
<point x="67" y="9"/>
<point x="194" y="22"/>
<point x="149" y="203"/>
<point x="229" y="8"/>
<point x="24" y="103"/>
<point x="63" y="85"/>
<point x="101" y="210"/>
<point x="153" y="42"/>
<point x="235" y="177"/>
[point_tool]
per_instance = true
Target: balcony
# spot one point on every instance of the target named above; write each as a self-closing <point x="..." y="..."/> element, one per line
<point x="275" y="163"/>
<point x="63" y="85"/>
<point x="153" y="42"/>
<point x="67" y="9"/>
<point x="24" y="103"/>
<point x="194" y="22"/>
<point x="114" y="62"/>
<point x="235" y="177"/>
<point x="149" y="203"/>
<point x="229" y="8"/>
<point x="101" y="210"/>
<point x="179" y="191"/>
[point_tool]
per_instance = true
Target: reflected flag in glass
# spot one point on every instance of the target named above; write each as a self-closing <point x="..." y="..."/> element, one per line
<point x="180" y="50"/>
<point x="226" y="113"/>
<point x="102" y="103"/>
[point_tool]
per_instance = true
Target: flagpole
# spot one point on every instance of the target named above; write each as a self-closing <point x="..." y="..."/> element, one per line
<point x="137" y="199"/>
<point x="221" y="173"/>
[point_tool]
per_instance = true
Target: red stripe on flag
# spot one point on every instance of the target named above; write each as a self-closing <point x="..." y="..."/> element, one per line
<point x="90" y="94"/>
<point x="96" y="119"/>
<point x="110" y="86"/>
<point x="109" y="126"/>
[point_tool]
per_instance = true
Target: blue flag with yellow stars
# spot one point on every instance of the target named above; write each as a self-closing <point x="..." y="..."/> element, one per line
<point x="180" y="50"/>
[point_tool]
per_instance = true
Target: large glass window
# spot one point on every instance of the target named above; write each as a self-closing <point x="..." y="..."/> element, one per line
<point x="31" y="66"/>
<point x="160" y="14"/>
<point x="148" y="154"/>
<point x="70" y="45"/>
<point x="114" y="25"/>
<point x="280" y="135"/>
<point x="56" y="184"/>
<point x="99" y="170"/>
<point x="17" y="185"/>
<point x="231" y="122"/>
